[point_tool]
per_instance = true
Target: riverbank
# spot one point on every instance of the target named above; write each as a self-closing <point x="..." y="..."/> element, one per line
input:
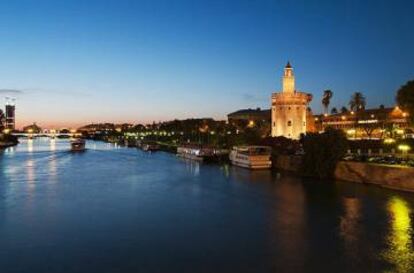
<point x="7" y="141"/>
<point x="393" y="177"/>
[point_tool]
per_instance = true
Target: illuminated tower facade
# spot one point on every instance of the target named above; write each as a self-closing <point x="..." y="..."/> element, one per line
<point x="289" y="108"/>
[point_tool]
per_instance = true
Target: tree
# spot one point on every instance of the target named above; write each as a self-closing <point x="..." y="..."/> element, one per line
<point x="344" y="110"/>
<point x="322" y="152"/>
<point x="357" y="102"/>
<point x="326" y="99"/>
<point x="405" y="99"/>
<point x="334" y="111"/>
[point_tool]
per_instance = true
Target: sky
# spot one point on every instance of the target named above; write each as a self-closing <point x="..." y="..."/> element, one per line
<point x="69" y="63"/>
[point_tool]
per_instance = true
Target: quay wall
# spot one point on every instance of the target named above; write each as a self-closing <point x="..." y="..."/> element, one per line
<point x="388" y="176"/>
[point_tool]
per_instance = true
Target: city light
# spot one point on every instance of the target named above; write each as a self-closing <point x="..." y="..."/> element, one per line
<point x="351" y="131"/>
<point x="404" y="147"/>
<point x="343" y="118"/>
<point x="389" y="140"/>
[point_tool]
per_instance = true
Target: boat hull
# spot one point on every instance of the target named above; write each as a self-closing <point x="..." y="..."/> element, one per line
<point x="253" y="162"/>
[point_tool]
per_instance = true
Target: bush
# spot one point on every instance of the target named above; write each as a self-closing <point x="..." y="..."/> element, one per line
<point x="281" y="145"/>
<point x="322" y="152"/>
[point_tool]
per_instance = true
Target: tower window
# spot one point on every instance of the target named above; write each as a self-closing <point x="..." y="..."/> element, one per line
<point x="289" y="123"/>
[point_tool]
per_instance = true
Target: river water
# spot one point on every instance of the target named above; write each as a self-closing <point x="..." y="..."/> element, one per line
<point x="115" y="209"/>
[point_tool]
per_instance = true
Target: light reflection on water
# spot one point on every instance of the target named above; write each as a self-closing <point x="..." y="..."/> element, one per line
<point x="400" y="239"/>
<point x="154" y="211"/>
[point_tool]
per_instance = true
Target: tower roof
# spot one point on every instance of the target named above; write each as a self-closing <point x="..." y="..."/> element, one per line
<point x="288" y="65"/>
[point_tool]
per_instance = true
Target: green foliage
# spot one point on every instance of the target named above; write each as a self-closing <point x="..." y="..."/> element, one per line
<point x="326" y="99"/>
<point x="405" y="99"/>
<point x="357" y="102"/>
<point x="322" y="152"/>
<point x="8" y="138"/>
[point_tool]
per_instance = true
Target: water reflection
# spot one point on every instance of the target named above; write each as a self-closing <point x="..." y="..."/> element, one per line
<point x="192" y="166"/>
<point x="288" y="225"/>
<point x="350" y="225"/>
<point x="30" y="145"/>
<point x="400" y="240"/>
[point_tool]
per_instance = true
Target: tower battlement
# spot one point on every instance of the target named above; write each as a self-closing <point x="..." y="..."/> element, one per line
<point x="289" y="108"/>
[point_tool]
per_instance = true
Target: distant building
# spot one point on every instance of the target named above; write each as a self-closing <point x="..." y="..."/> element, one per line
<point x="289" y="108"/>
<point x="32" y="129"/>
<point x="250" y="115"/>
<point x="367" y="123"/>
<point x="10" y="114"/>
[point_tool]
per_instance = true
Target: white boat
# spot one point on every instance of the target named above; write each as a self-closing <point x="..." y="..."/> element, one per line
<point x="200" y="152"/>
<point x="251" y="157"/>
<point x="78" y="145"/>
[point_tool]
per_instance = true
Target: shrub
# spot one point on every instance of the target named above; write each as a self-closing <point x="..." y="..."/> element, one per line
<point x="322" y="152"/>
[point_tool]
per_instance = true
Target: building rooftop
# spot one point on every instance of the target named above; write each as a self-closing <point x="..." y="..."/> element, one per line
<point x="250" y="111"/>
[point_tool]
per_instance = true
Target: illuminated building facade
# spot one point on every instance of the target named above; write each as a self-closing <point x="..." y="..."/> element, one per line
<point x="289" y="108"/>
<point x="366" y="124"/>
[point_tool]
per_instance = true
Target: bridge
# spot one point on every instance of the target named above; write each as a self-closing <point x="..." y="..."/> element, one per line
<point x="51" y="135"/>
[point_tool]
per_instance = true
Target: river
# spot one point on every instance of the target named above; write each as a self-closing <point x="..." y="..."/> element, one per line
<point x="116" y="209"/>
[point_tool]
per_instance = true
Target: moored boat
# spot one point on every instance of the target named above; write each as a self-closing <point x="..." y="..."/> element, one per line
<point x="251" y="157"/>
<point x="200" y="153"/>
<point x="78" y="145"/>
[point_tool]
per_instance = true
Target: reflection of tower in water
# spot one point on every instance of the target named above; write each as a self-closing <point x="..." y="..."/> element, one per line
<point x="288" y="226"/>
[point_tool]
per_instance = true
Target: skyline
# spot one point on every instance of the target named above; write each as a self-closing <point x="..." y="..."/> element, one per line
<point x="69" y="64"/>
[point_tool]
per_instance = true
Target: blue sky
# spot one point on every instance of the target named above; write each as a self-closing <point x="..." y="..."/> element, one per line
<point x="75" y="62"/>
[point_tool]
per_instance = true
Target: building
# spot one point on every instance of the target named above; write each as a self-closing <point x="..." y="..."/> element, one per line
<point x="10" y="116"/>
<point x="289" y="108"/>
<point x="250" y="115"/>
<point x="374" y="123"/>
<point x="32" y="129"/>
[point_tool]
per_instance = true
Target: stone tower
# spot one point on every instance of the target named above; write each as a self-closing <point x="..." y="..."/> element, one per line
<point x="289" y="108"/>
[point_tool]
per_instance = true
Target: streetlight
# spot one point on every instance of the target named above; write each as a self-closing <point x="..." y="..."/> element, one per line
<point x="404" y="148"/>
<point x="389" y="141"/>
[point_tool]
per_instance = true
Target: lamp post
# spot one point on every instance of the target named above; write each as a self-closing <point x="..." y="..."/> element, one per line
<point x="404" y="149"/>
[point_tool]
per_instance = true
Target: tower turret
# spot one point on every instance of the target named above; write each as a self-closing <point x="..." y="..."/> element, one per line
<point x="288" y="80"/>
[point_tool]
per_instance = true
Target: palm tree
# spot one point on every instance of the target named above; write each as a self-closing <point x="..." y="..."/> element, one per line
<point x="334" y="111"/>
<point x="326" y="99"/>
<point x="357" y="102"/>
